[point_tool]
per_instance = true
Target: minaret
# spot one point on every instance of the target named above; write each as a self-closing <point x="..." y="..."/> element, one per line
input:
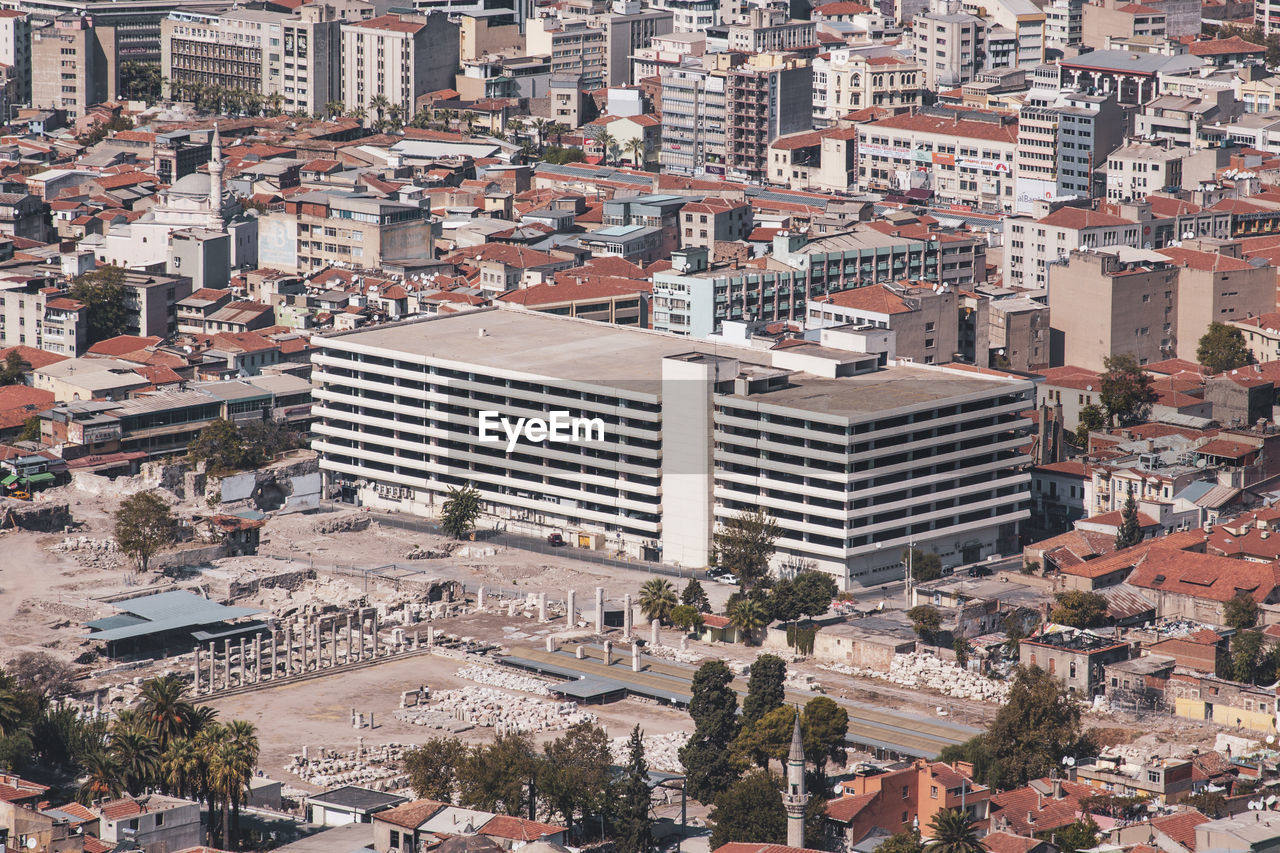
<point x="795" y="799"/>
<point x="215" y="180"/>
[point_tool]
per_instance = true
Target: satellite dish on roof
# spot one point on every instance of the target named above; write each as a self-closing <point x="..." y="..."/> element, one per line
<point x="32" y="842"/>
<point x="1200" y="463"/>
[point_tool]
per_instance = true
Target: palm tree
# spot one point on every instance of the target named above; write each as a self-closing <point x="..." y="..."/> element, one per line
<point x="953" y="831"/>
<point x="359" y="115"/>
<point x="748" y="616"/>
<point x="421" y="118"/>
<point x="600" y="135"/>
<point x="541" y="126"/>
<point x="245" y="738"/>
<point x="395" y="116"/>
<point x="657" y="598"/>
<point x="638" y="150"/>
<point x="101" y="778"/>
<point x="447" y="116"/>
<point x="253" y="103"/>
<point x="333" y="109"/>
<point x="202" y="716"/>
<point x="230" y="769"/>
<point x="379" y="104"/>
<point x="514" y="127"/>
<point x="164" y="710"/>
<point x="557" y="131"/>
<point x="275" y="103"/>
<point x="12" y="713"/>
<point x="181" y="767"/>
<point x="138" y="758"/>
<point x="469" y="118"/>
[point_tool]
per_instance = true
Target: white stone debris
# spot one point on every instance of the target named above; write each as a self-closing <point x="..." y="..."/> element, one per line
<point x="917" y="670"/>
<point x="661" y="752"/>
<point x="506" y="680"/>
<point x="489" y="708"/>
<point x="377" y="767"/>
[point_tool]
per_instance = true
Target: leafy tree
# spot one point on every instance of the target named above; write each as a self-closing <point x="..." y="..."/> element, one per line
<point x="765" y="739"/>
<point x="1032" y="731"/>
<point x="432" y="768"/>
<point x="749" y="616"/>
<point x="574" y="775"/>
<point x="264" y="438"/>
<point x="1079" y="609"/>
<point x="558" y="156"/>
<point x="140" y="81"/>
<point x="695" y="596"/>
<point x="103" y="294"/>
<point x="657" y="598"/>
<point x="633" y="825"/>
<point x="924" y="566"/>
<point x="11" y="374"/>
<point x="461" y="511"/>
<point x="765" y="689"/>
<point x="41" y="674"/>
<point x="1091" y="419"/>
<point x="1209" y="803"/>
<point x="746" y="543"/>
<point x="30" y="429"/>
<point x="164" y="710"/>
<point x="1125" y="390"/>
<point x="926" y="620"/>
<point x="1222" y="348"/>
<point x="962" y="649"/>
<point x="144" y="526"/>
<point x="1240" y="612"/>
<point x="1247" y="656"/>
<point x="1081" y="834"/>
<point x="903" y="841"/>
<point x="824" y="725"/>
<point x="953" y="831"/>
<point x="1130" y="531"/>
<point x="713" y="707"/>
<point x="814" y="590"/>
<point x="221" y="446"/>
<point x="500" y="776"/>
<point x="686" y="618"/>
<point x="750" y="811"/>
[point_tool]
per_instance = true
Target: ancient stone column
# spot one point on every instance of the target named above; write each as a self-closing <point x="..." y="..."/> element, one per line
<point x="275" y="656"/>
<point x="608" y="653"/>
<point x="635" y="658"/>
<point x="226" y="664"/>
<point x="195" y="670"/>
<point x="347" y="656"/>
<point x="579" y="653"/>
<point x="213" y="654"/>
<point x="542" y="607"/>
<point x="333" y="642"/>
<point x="626" y="616"/>
<point x="304" y="632"/>
<point x="240" y="682"/>
<point x="599" y="610"/>
<point x="317" y="637"/>
<point x="375" y="634"/>
<point x="480" y="598"/>
<point x="653" y="632"/>
<point x="551" y="644"/>
<point x="257" y="658"/>
<point x="431" y="636"/>
<point x="288" y="649"/>
<point x="571" y="618"/>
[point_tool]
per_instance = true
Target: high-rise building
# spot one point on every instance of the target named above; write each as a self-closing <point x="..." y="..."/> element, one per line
<point x="293" y="58"/>
<point x="768" y="96"/>
<point x="629" y="28"/>
<point x="850" y="79"/>
<point x="576" y="47"/>
<point x="398" y="57"/>
<point x="693" y="115"/>
<point x="15" y="51"/>
<point x="75" y="71"/>
<point x="948" y="44"/>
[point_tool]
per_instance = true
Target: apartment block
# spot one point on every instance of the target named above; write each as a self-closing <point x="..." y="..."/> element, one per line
<point x="694" y="116"/>
<point x="922" y="319"/>
<point x="15" y="52"/>
<point x="631" y="28"/>
<point x="398" y="56"/>
<point x="317" y="229"/>
<point x="577" y="48"/>
<point x="853" y="459"/>
<point x="76" y="72"/>
<point x="705" y="223"/>
<point x="948" y="44"/>
<point x="958" y="157"/>
<point x="293" y="55"/>
<point x="851" y="79"/>
<point x="769" y="30"/>
<point x="768" y="96"/>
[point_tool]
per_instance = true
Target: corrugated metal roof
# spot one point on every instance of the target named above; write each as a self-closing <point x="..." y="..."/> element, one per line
<point x="164" y="611"/>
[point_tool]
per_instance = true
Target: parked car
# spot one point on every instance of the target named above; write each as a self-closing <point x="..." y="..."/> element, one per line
<point x="555" y="540"/>
<point x="728" y="578"/>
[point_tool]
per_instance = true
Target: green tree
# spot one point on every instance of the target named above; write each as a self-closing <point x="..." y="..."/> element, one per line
<point x="903" y="841"/>
<point x="686" y="618"/>
<point x="923" y="566"/>
<point x="1222" y="348"/>
<point x="574" y="776"/>
<point x="1209" y="803"/>
<point x="1079" y="609"/>
<point x="749" y="616"/>
<point x="1240" y="612"/>
<point x="140" y="81"/>
<point x="41" y="674"/>
<point x="657" y="598"/>
<point x="824" y="725"/>
<point x="953" y="831"/>
<point x="164" y="709"/>
<point x="713" y="707"/>
<point x="1091" y="419"/>
<point x="432" y="768"/>
<point x="765" y="739"/>
<point x="926" y="620"/>
<point x="632" y="831"/>
<point x="461" y="511"/>
<point x="103" y="294"/>
<point x="695" y="596"/>
<point x="30" y="429"/>
<point x="558" y="156"/>
<point x="137" y="755"/>
<point x="765" y="690"/>
<point x="1125" y="390"/>
<point x="814" y="592"/>
<point x="746" y="543"/>
<point x="221" y="446"/>
<point x="1032" y="731"/>
<point x="14" y="366"/>
<point x="1129" y="533"/>
<point x="750" y="811"/>
<point x="1247" y="652"/>
<point x="100" y="779"/>
<point x="500" y="776"/>
<point x="1081" y="834"/>
<point x="962" y="649"/>
<point x="144" y="526"/>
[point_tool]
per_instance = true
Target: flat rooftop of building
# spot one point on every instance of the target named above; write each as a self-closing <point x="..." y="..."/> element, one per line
<point x="595" y="354"/>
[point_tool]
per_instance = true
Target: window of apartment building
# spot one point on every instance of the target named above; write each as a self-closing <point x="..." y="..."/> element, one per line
<point x="906" y="792"/>
<point x="933" y="791"/>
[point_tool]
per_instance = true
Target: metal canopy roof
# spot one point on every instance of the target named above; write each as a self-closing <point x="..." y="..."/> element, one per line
<point x="165" y="611"/>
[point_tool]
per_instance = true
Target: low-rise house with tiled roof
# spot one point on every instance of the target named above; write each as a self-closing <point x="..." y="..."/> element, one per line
<point x="892" y="798"/>
<point x="1164" y="781"/>
<point x="155" y="823"/>
<point x="1195" y="585"/>
<point x="1172" y="833"/>
<point x="922" y="319"/>
<point x="1041" y="806"/>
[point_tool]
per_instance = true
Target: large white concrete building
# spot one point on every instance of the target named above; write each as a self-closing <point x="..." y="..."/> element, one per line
<point x="854" y="460"/>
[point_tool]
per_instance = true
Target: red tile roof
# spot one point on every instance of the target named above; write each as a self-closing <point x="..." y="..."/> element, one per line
<point x="118" y="809"/>
<point x="518" y="828"/>
<point x="410" y="815"/>
<point x="1202" y="576"/>
<point x="950" y="127"/>
<point x="1076" y="218"/>
<point x="1047" y="812"/>
<point x="1224" y="47"/>
<point x="845" y="809"/>
<point x="1210" y="261"/>
<point x="18" y="403"/>
<point x="123" y="344"/>
<point x="1181" y="827"/>
<point x="1004" y="842"/>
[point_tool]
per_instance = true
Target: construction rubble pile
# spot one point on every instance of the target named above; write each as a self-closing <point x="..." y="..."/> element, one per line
<point x="506" y="680"/>
<point x="376" y="767"/>
<point x="91" y="553"/>
<point x="489" y="708"/>
<point x="917" y="670"/>
<point x="661" y="752"/>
